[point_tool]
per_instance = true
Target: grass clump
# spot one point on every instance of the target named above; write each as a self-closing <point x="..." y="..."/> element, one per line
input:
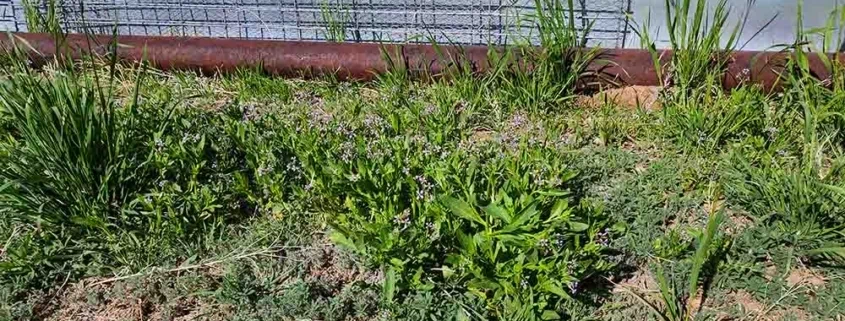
<point x="462" y="197"/>
<point x="95" y="181"/>
<point x="701" y="41"/>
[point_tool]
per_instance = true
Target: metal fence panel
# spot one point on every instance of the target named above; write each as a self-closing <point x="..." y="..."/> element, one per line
<point x="444" y="21"/>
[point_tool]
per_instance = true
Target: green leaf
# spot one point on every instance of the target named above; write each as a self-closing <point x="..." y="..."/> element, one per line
<point x="467" y="244"/>
<point x="498" y="212"/>
<point x="389" y="289"/>
<point x="558" y="210"/>
<point x="578" y="226"/>
<point x="397" y="262"/>
<point x="461" y="315"/>
<point x="527" y="215"/>
<point x="554" y="192"/>
<point x="556" y="289"/>
<point x="483" y="284"/>
<point x="462" y="209"/>
<point x="835" y="252"/>
<point x="550" y="315"/>
<point x="702" y="253"/>
<point x="835" y="189"/>
<point x="483" y="241"/>
<point x="510" y="239"/>
<point x="447" y="271"/>
<point x="340" y="239"/>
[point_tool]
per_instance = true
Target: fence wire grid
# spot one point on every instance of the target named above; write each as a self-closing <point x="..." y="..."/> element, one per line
<point x="445" y="21"/>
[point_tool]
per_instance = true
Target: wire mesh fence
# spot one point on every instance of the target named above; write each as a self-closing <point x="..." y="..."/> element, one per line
<point x="7" y="15"/>
<point x="444" y="21"/>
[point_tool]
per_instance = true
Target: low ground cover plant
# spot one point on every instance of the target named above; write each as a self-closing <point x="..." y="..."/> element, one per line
<point x="129" y="193"/>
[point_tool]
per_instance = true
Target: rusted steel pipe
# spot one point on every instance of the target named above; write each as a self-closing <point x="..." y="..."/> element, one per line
<point x="285" y="58"/>
<point x="636" y="67"/>
<point x="361" y="61"/>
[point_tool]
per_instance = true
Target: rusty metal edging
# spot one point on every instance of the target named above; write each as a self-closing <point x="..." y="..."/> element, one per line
<point x="359" y="61"/>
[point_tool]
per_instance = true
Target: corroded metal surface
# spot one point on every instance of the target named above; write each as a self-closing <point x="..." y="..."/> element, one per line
<point x="362" y="61"/>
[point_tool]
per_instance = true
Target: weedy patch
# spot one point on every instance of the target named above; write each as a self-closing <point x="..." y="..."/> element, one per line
<point x="128" y="193"/>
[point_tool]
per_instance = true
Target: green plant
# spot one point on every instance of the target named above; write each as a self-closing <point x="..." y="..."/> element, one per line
<point x="799" y="207"/>
<point x="543" y="78"/>
<point x="68" y="166"/>
<point x="819" y="100"/>
<point x="683" y="303"/>
<point x="701" y="43"/>
<point x="41" y="16"/>
<point x="712" y="122"/>
<point x="97" y="180"/>
<point x="380" y="172"/>
<point x="792" y="190"/>
<point x="528" y="249"/>
<point x="335" y="17"/>
<point x="253" y="84"/>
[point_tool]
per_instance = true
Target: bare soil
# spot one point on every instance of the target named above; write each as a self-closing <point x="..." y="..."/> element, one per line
<point x="631" y="97"/>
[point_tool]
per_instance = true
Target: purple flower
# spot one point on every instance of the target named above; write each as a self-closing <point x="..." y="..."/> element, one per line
<point x="429" y="109"/>
<point x="373" y="123"/>
<point x="559" y="241"/>
<point x="771" y="132"/>
<point x="543" y="243"/>
<point x="319" y="118"/>
<point x="265" y="169"/>
<point x="425" y="187"/>
<point x="250" y="112"/>
<point x="603" y="238"/>
<point x="347" y="151"/>
<point x="573" y="287"/>
<point x="517" y="121"/>
<point x="403" y="219"/>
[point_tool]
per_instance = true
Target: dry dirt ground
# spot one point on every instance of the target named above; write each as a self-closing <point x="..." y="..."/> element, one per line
<point x="645" y="97"/>
<point x="743" y="305"/>
<point x="153" y="298"/>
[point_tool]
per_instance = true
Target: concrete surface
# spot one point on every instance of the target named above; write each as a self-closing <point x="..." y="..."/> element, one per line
<point x="782" y="29"/>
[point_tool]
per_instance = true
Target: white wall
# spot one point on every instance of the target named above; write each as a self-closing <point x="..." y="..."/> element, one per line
<point x="782" y="30"/>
